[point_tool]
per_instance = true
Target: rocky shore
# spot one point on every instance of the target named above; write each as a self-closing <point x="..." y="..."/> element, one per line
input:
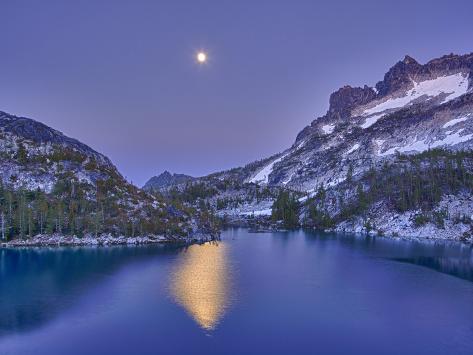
<point x="400" y="226"/>
<point x="104" y="240"/>
<point x="386" y="224"/>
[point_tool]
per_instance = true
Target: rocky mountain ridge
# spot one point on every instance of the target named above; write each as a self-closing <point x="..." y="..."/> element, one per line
<point x="53" y="184"/>
<point x="416" y="109"/>
<point x="31" y="155"/>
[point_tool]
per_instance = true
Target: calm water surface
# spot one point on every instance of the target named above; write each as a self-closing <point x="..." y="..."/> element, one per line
<point x="291" y="293"/>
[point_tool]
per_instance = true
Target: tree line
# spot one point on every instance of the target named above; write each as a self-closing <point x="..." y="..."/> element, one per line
<point x="411" y="182"/>
<point x="74" y="208"/>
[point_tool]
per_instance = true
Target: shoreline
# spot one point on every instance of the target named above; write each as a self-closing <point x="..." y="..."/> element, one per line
<point x="104" y="240"/>
<point x="109" y="240"/>
<point x="371" y="234"/>
<point x="429" y="234"/>
<point x="436" y="240"/>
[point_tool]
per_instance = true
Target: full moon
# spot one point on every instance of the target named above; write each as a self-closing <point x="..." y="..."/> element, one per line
<point x="201" y="57"/>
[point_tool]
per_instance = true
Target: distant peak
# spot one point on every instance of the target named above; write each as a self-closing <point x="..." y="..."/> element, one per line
<point x="409" y="60"/>
<point x="166" y="179"/>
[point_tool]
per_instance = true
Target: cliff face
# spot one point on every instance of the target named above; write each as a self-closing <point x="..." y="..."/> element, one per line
<point x="345" y="99"/>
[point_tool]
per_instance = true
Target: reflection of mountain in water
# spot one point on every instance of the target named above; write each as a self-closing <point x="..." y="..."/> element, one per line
<point x="200" y="283"/>
<point x="448" y="257"/>
<point x="459" y="267"/>
<point x="36" y="284"/>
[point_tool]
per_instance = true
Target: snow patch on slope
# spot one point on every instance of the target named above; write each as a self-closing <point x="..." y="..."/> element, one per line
<point x="263" y="175"/>
<point x="452" y="138"/>
<point x="371" y="120"/>
<point x="452" y="85"/>
<point x="288" y="180"/>
<point x="265" y="212"/>
<point x="301" y="144"/>
<point x="455" y="121"/>
<point x="335" y="181"/>
<point x="352" y="149"/>
<point x="328" y="128"/>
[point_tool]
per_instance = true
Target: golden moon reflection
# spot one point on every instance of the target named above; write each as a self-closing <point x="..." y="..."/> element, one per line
<point x="201" y="283"/>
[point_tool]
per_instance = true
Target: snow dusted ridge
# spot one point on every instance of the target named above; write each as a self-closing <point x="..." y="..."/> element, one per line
<point x="335" y="135"/>
<point x="430" y="118"/>
<point x="46" y="155"/>
<point x="452" y="86"/>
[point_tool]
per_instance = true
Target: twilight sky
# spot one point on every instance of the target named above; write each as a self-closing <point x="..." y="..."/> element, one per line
<point x="121" y="76"/>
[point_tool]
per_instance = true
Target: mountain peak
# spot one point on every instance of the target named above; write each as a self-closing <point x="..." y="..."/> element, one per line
<point x="165" y="173"/>
<point x="409" y="60"/>
<point x="165" y="180"/>
<point x="399" y="75"/>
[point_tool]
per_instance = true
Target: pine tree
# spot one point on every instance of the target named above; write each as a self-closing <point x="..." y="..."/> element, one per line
<point x="286" y="209"/>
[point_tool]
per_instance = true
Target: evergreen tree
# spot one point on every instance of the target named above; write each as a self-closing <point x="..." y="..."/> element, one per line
<point x="286" y="209"/>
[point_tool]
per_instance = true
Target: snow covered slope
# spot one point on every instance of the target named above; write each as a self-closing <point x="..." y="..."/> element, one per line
<point x="262" y="176"/>
<point x="414" y="108"/>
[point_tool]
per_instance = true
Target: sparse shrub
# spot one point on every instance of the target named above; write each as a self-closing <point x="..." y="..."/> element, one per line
<point x="420" y="220"/>
<point x="438" y="217"/>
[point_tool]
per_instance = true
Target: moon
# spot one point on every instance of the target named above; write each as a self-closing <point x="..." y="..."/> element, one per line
<point x="201" y="57"/>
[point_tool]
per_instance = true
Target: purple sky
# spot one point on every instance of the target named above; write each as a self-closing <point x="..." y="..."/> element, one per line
<point x="121" y="75"/>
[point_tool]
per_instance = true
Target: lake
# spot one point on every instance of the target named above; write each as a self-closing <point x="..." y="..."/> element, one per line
<point x="286" y="292"/>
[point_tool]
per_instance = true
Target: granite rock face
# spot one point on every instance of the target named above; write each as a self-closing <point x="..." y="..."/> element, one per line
<point x="346" y="98"/>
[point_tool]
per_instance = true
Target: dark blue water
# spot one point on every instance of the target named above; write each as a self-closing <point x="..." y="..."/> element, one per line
<point x="250" y="293"/>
